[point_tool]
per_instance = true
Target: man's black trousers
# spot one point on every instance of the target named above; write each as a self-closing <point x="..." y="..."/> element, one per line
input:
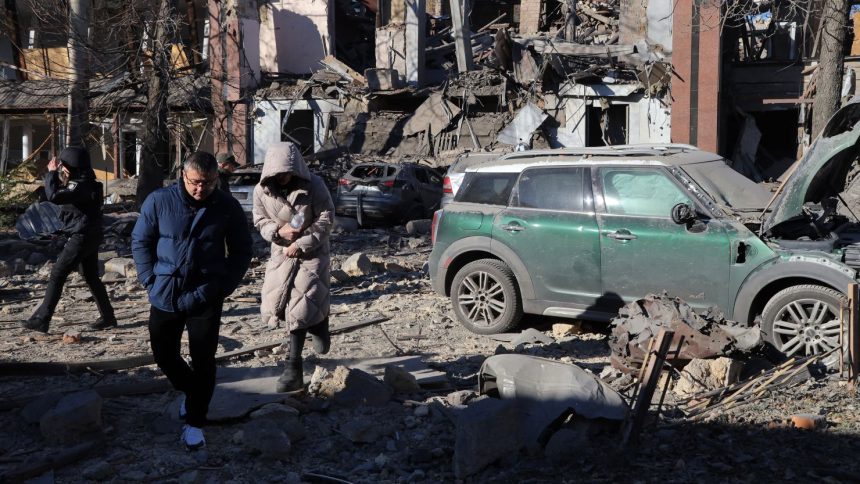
<point x="81" y="252"/>
<point x="198" y="380"/>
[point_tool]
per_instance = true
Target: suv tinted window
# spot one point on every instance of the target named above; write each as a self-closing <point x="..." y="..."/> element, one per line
<point x="421" y="175"/>
<point x="488" y="188"/>
<point x="640" y="192"/>
<point x="550" y="188"/>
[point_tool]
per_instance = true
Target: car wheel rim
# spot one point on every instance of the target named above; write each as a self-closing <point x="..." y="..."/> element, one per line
<point x="481" y="298"/>
<point x="806" y="327"/>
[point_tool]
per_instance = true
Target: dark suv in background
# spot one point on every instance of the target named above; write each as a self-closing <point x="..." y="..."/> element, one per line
<point x="388" y="194"/>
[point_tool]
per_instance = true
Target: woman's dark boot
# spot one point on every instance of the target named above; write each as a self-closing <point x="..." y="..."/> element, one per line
<point x="292" y="379"/>
<point x="320" y="337"/>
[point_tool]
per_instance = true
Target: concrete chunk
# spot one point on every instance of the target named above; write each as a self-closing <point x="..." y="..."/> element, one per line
<point x="283" y="417"/>
<point x="566" y="443"/>
<point x="357" y="265"/>
<point x="383" y="79"/>
<point x="351" y="387"/>
<point x="418" y="227"/>
<point x="123" y="266"/>
<point x="703" y="375"/>
<point x="400" y="380"/>
<point x="487" y="430"/>
<point x="260" y="437"/>
<point x="36" y="409"/>
<point x="563" y="330"/>
<point x="76" y="415"/>
<point x="365" y="431"/>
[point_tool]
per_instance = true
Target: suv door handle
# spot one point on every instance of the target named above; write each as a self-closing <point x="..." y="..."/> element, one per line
<point x="622" y="234"/>
<point x="513" y="227"/>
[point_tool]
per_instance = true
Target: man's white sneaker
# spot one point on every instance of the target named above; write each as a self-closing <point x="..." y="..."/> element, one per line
<point x="182" y="412"/>
<point x="192" y="437"/>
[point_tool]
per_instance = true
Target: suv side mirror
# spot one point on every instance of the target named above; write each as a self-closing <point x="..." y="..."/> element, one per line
<point x="683" y="214"/>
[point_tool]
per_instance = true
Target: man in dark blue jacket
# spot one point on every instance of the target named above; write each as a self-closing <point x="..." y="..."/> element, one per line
<point x="80" y="200"/>
<point x="192" y="247"/>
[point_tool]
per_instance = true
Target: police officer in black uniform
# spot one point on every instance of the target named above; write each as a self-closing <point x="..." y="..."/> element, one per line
<point x="80" y="200"/>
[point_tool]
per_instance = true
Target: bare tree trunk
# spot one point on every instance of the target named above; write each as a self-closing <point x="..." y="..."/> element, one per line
<point x="834" y="18"/>
<point x="12" y="29"/>
<point x="195" y="39"/>
<point x="155" y="157"/>
<point x="78" y="112"/>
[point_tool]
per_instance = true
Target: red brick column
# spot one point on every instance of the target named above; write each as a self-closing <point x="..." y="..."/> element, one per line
<point x="237" y="115"/>
<point x="217" y="76"/>
<point x="230" y="115"/>
<point x="696" y="57"/>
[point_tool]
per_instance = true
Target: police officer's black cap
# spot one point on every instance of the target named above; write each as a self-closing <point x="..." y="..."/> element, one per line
<point x="75" y="157"/>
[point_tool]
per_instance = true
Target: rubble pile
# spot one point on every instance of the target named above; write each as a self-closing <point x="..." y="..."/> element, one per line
<point x="396" y="400"/>
<point x="597" y="22"/>
<point x="700" y="336"/>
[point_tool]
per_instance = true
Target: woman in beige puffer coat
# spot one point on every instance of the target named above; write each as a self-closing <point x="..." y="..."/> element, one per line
<point x="296" y="287"/>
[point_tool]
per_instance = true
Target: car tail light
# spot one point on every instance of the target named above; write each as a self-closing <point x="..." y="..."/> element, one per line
<point x="343" y="181"/>
<point x="434" y="226"/>
<point x="446" y="185"/>
<point x="388" y="183"/>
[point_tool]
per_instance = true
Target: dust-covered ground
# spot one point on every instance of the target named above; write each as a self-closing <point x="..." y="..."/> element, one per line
<point x="408" y="439"/>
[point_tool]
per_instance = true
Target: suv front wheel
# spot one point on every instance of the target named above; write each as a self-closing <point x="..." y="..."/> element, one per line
<point x="485" y="297"/>
<point x="804" y="320"/>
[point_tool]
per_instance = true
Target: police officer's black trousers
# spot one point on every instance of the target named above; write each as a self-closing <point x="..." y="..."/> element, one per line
<point x="81" y="252"/>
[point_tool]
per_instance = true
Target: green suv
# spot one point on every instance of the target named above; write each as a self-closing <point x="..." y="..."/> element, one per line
<point x="580" y="232"/>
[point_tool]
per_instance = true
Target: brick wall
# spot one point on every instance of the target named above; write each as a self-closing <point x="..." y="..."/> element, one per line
<point x="530" y="16"/>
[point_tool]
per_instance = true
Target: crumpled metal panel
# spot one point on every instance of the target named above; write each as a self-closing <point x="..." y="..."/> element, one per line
<point x="527" y="120"/>
<point x="556" y="386"/>
<point x="41" y="219"/>
<point x="706" y="336"/>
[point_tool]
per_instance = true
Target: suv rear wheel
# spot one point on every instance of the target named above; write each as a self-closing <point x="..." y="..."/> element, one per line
<point x="804" y="320"/>
<point x="485" y="297"/>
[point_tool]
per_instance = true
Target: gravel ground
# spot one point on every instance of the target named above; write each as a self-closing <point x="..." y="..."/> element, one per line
<point x="409" y="439"/>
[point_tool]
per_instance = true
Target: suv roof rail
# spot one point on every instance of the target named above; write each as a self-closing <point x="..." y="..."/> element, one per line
<point x="617" y="150"/>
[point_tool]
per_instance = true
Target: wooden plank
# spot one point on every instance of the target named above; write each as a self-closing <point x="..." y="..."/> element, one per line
<point x="271" y="344"/>
<point x="787" y="101"/>
<point x="424" y="375"/>
<point x="544" y="46"/>
<point x="62" y="368"/>
<point x="596" y="16"/>
<point x="344" y="70"/>
<point x="853" y="335"/>
<point x="105" y="391"/>
<point x="651" y="376"/>
<point x="52" y="461"/>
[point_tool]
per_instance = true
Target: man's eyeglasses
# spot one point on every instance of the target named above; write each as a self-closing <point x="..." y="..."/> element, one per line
<point x="200" y="183"/>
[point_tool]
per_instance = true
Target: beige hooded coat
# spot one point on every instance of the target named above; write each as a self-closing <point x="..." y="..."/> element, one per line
<point x="295" y="290"/>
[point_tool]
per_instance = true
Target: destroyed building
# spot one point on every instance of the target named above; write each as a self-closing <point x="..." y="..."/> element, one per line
<point x="429" y="79"/>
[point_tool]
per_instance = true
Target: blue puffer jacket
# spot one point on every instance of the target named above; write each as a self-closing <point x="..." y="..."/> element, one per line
<point x="179" y="248"/>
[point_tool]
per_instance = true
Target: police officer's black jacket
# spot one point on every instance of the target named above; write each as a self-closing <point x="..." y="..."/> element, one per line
<point x="80" y="201"/>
